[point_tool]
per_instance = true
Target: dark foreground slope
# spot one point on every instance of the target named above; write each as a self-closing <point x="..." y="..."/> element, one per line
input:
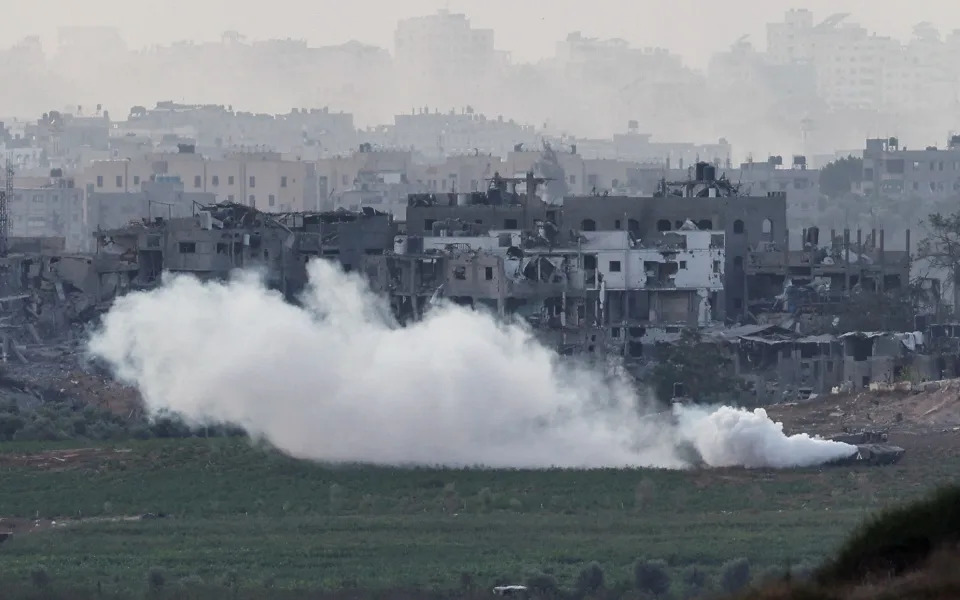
<point x="910" y="552"/>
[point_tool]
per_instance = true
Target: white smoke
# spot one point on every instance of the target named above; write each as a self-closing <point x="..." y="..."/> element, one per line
<point x="336" y="379"/>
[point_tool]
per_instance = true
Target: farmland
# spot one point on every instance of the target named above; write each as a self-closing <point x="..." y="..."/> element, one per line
<point x="226" y="512"/>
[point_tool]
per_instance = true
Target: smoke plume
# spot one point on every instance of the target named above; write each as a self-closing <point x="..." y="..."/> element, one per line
<point x="336" y="379"/>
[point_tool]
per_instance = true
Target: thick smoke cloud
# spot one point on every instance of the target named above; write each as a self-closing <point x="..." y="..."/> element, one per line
<point x="336" y="379"/>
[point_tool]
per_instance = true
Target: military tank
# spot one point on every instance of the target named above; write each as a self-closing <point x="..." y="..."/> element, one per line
<point x="871" y="454"/>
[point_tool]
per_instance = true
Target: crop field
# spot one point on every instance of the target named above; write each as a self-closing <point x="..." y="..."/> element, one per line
<point x="225" y="512"/>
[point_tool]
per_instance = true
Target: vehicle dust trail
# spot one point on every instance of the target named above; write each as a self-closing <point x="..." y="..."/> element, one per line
<point x="336" y="379"/>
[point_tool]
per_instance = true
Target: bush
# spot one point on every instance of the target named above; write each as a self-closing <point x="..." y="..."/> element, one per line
<point x="156" y="579"/>
<point x="735" y="575"/>
<point x="39" y="577"/>
<point x="898" y="540"/>
<point x="651" y="577"/>
<point x="10" y="424"/>
<point x="590" y="578"/>
<point x="543" y="585"/>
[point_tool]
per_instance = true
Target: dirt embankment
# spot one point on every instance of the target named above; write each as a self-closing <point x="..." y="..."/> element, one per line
<point x="933" y="409"/>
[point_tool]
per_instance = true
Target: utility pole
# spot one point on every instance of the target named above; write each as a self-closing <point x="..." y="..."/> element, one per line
<point x="4" y="199"/>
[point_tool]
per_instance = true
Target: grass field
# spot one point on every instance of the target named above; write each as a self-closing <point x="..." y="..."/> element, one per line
<point x="234" y="512"/>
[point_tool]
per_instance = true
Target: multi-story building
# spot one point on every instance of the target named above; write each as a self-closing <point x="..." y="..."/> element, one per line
<point x="50" y="209"/>
<point x="160" y="198"/>
<point x="261" y="180"/>
<point x="443" y="47"/>
<point x="890" y="169"/>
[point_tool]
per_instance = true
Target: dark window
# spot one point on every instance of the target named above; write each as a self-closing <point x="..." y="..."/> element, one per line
<point x="253" y="181"/>
<point x="633" y="225"/>
<point x="683" y="264"/>
<point x="614" y="266"/>
<point x="428" y="225"/>
<point x="488" y="273"/>
<point x="215" y="180"/>
<point x="230" y="180"/>
<point x="272" y="200"/>
<point x="705" y="224"/>
<point x="663" y="225"/>
<point x="187" y="247"/>
<point x="196" y="181"/>
<point x="588" y="225"/>
<point x="119" y="180"/>
<point x="283" y="181"/>
<point x="460" y="273"/>
<point x="99" y="180"/>
<point x="738" y="226"/>
<point x="616" y="224"/>
<point x="253" y="201"/>
<point x="223" y="248"/>
<point x="136" y="180"/>
<point x="738" y="261"/>
<point x="510" y="224"/>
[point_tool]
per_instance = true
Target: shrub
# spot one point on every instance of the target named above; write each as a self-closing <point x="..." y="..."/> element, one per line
<point x="156" y="579"/>
<point x="40" y="577"/>
<point x="542" y="585"/>
<point x="899" y="539"/>
<point x="735" y="575"/>
<point x="590" y="578"/>
<point x="651" y="577"/>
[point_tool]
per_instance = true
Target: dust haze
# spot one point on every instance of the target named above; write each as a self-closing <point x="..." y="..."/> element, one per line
<point x="336" y="379"/>
<point x="696" y="72"/>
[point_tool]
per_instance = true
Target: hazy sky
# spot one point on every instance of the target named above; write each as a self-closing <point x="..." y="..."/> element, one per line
<point x="526" y="28"/>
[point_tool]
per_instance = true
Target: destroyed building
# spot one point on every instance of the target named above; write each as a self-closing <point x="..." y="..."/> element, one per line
<point x="819" y="279"/>
<point x="220" y="238"/>
<point x="587" y="291"/>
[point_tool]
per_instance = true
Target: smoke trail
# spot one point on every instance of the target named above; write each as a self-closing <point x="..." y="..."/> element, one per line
<point x="337" y="380"/>
<point x="727" y="437"/>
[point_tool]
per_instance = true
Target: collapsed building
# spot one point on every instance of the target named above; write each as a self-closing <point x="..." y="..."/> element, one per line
<point x="779" y="364"/>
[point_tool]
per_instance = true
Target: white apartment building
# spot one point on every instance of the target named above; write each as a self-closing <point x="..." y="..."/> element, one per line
<point x="443" y="47"/>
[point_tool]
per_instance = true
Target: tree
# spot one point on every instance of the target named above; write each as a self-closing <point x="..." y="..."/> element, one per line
<point x="941" y="249"/>
<point x="838" y="177"/>
<point x="704" y="369"/>
<point x="651" y="577"/>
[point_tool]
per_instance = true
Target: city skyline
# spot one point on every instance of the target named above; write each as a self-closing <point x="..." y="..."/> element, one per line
<point x="693" y="30"/>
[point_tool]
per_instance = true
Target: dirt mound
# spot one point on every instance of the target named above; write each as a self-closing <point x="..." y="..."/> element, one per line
<point x="930" y="408"/>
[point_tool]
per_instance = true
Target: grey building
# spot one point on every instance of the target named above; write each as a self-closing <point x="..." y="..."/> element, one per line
<point x="164" y="197"/>
<point x="53" y="210"/>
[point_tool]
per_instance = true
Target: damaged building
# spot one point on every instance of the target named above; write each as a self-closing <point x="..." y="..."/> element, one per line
<point x="220" y="238"/>
<point x="819" y="279"/>
<point x="585" y="291"/>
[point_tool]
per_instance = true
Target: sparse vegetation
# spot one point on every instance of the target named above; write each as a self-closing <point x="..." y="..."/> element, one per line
<point x="60" y="421"/>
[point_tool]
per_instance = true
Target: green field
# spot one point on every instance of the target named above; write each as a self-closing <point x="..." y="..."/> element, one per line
<point x="237" y="514"/>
